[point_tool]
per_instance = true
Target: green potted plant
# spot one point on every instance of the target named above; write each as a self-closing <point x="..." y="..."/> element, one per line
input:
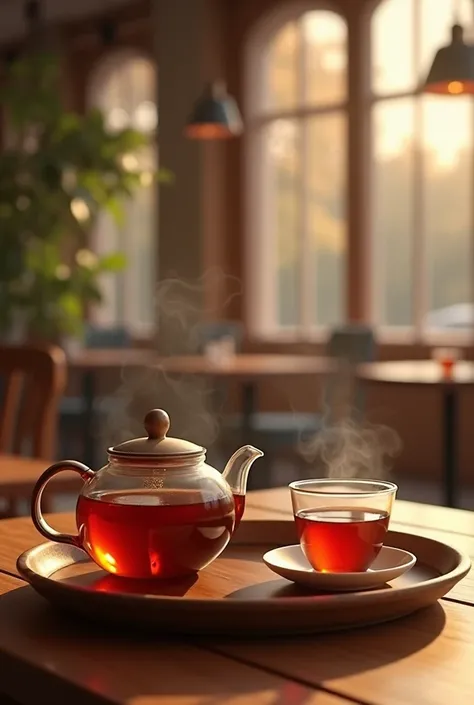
<point x="57" y="172"/>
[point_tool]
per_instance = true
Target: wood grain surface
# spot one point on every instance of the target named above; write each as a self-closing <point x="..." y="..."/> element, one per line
<point x="242" y="366"/>
<point x="424" y="659"/>
<point x="46" y="658"/>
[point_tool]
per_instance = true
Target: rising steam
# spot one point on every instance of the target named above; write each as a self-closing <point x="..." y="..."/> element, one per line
<point x="348" y="446"/>
<point x="194" y="406"/>
<point x="343" y="448"/>
<point x="352" y="449"/>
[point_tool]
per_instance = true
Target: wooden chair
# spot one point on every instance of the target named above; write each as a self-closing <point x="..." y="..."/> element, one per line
<point x="351" y="345"/>
<point x="280" y="434"/>
<point x="32" y="381"/>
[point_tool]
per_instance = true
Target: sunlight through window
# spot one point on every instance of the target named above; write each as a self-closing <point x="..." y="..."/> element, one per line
<point x="422" y="172"/>
<point x="123" y="86"/>
<point x="297" y="132"/>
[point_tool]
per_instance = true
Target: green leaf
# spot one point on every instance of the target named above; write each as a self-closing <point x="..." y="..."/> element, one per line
<point x="113" y="262"/>
<point x="114" y="206"/>
<point x="129" y="140"/>
<point x="70" y="304"/>
<point x="68" y="123"/>
<point x="73" y="156"/>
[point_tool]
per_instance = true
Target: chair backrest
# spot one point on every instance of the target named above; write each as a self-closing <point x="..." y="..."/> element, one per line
<point x="351" y="344"/>
<point x="33" y="381"/>
<point x="116" y="337"/>
<point x="208" y="332"/>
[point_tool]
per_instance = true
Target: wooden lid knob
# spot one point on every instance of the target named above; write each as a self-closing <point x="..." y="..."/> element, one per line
<point x="157" y="424"/>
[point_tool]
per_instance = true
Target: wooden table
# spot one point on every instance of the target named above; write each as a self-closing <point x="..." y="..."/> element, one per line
<point x="17" y="472"/>
<point x="424" y="659"/>
<point x="247" y="369"/>
<point x="428" y="372"/>
<point x="18" y="476"/>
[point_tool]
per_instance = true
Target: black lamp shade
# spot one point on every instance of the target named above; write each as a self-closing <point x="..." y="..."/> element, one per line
<point x="452" y="71"/>
<point x="214" y="116"/>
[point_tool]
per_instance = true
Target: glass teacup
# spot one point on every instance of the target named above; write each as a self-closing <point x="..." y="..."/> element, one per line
<point x="342" y="524"/>
<point x="447" y="359"/>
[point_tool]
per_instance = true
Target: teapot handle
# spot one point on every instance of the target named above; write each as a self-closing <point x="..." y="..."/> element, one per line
<point x="36" y="514"/>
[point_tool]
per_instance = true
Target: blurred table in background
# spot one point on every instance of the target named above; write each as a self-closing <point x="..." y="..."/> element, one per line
<point x="430" y="372"/>
<point x="18" y="476"/>
<point x="245" y="368"/>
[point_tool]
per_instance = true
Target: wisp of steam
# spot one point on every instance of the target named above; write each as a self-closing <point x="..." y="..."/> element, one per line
<point x="347" y="446"/>
<point x="343" y="448"/>
<point x="194" y="406"/>
<point x="351" y="449"/>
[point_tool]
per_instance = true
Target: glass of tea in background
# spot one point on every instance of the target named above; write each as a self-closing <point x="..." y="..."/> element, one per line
<point x="220" y="351"/>
<point x="342" y="524"/>
<point x="446" y="358"/>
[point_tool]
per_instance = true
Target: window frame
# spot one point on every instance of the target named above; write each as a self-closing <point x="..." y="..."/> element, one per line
<point x="359" y="159"/>
<point x="100" y="72"/>
<point x="415" y="334"/>
<point x="258" y="247"/>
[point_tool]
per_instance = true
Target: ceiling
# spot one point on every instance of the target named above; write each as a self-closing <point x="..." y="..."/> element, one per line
<point x="12" y="25"/>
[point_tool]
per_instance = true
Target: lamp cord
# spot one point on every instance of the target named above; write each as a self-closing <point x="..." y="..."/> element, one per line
<point x="457" y="12"/>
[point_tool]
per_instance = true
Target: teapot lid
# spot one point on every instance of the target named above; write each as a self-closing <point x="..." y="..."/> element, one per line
<point x="157" y="445"/>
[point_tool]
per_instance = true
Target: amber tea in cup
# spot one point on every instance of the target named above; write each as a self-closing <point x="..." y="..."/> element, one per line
<point x="342" y="524"/>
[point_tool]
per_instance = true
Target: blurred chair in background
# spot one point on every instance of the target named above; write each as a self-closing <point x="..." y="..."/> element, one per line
<point x="33" y="381"/>
<point x="116" y="337"/>
<point x="351" y="344"/>
<point x="276" y="431"/>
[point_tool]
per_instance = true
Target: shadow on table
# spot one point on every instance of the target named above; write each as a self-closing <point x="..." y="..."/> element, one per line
<point x="75" y="663"/>
<point x="100" y="581"/>
<point x="282" y="588"/>
<point x="330" y="656"/>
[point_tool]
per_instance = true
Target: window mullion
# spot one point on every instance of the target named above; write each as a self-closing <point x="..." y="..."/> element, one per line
<point x="419" y="266"/>
<point x="419" y="284"/>
<point x="264" y="265"/>
<point x="307" y="290"/>
<point x="304" y="261"/>
<point x="471" y="241"/>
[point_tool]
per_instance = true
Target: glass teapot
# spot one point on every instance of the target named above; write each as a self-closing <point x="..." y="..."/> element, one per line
<point x="156" y="510"/>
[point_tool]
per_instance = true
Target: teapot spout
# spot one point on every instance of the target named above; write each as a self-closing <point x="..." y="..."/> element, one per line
<point x="237" y="469"/>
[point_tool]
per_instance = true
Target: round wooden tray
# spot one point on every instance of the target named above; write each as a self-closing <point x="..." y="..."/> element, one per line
<point x="237" y="594"/>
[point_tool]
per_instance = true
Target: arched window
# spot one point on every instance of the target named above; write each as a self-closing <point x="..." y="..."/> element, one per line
<point x="123" y="87"/>
<point x="296" y="172"/>
<point x="422" y="185"/>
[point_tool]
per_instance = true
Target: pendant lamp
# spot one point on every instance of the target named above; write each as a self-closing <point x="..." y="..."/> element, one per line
<point x="452" y="71"/>
<point x="215" y="115"/>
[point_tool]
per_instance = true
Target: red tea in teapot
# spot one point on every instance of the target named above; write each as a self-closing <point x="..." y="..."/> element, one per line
<point x="142" y="534"/>
<point x="345" y="540"/>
